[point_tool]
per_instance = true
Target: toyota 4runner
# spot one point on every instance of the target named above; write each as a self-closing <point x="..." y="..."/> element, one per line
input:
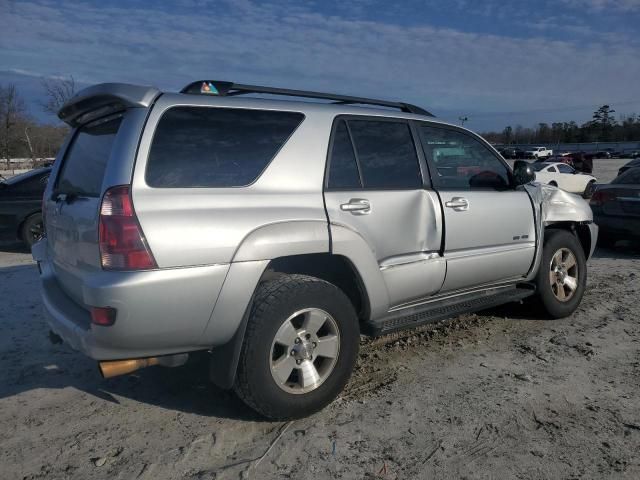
<point x="273" y="233"/>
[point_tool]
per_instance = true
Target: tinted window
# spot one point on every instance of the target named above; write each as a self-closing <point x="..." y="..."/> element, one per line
<point x="552" y="169"/>
<point x="461" y="161"/>
<point x="216" y="147"/>
<point x="386" y="154"/>
<point x="32" y="185"/>
<point x="631" y="176"/>
<point x="23" y="176"/>
<point x="343" y="171"/>
<point x="541" y="166"/>
<point x="562" y="168"/>
<point x="86" y="159"/>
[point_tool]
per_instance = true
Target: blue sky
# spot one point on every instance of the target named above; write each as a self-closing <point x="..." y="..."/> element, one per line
<point x="498" y="62"/>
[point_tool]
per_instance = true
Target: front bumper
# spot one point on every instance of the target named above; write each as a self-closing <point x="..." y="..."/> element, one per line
<point x="593" y="231"/>
<point x="159" y="312"/>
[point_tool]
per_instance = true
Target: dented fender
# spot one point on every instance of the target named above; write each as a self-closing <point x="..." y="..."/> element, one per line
<point x="553" y="205"/>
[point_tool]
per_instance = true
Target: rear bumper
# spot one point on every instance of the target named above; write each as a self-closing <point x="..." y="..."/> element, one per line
<point x="159" y="312"/>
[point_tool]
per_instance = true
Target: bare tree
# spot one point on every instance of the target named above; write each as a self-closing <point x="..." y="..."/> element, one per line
<point x="13" y="120"/>
<point x="58" y="91"/>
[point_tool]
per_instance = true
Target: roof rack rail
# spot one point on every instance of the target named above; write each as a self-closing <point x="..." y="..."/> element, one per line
<point x="228" y="89"/>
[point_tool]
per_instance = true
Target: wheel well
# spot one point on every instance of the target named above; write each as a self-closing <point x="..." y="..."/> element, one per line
<point x="580" y="230"/>
<point x="22" y="222"/>
<point x="335" y="269"/>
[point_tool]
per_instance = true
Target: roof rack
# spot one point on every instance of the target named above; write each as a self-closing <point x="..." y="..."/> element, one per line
<point x="229" y="89"/>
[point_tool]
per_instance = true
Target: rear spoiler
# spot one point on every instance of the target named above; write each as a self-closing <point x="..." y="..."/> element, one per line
<point x="104" y="99"/>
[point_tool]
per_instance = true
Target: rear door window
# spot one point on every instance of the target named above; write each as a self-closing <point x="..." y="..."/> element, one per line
<point x="386" y="154"/>
<point x="86" y="159"/>
<point x="343" y="170"/>
<point x="216" y="147"/>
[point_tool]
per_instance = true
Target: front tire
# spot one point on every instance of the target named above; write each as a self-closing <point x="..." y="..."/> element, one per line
<point x="299" y="349"/>
<point x="562" y="275"/>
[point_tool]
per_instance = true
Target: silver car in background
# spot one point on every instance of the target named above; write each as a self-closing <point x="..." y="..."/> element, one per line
<point x="272" y="233"/>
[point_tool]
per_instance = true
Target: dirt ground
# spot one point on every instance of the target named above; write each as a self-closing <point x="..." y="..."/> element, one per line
<point x="498" y="394"/>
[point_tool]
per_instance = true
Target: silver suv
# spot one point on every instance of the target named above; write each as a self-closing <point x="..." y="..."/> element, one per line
<point x="272" y="233"/>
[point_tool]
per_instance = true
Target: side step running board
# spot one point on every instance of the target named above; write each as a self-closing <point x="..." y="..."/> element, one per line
<point x="446" y="308"/>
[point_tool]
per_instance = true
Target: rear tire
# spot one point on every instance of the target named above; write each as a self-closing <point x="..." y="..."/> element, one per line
<point x="282" y="372"/>
<point x="553" y="184"/>
<point x="32" y="229"/>
<point x="562" y="275"/>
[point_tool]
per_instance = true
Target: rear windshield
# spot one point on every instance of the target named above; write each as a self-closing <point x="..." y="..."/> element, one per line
<point x="86" y="159"/>
<point x="630" y="177"/>
<point x="216" y="147"/>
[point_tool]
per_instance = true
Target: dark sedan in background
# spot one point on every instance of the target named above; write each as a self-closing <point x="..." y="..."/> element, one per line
<point x="616" y="208"/>
<point x="627" y="166"/>
<point x="21" y="204"/>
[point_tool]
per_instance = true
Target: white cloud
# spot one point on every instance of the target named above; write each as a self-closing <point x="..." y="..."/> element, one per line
<point x="435" y="67"/>
<point x="601" y="5"/>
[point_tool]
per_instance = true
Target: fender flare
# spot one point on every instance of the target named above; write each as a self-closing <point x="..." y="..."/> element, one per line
<point x="350" y="244"/>
<point x="228" y="321"/>
<point x="270" y="242"/>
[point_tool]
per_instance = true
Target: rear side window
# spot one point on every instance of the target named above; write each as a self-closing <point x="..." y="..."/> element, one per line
<point x="565" y="168"/>
<point x="343" y="171"/>
<point x="386" y="154"/>
<point x="216" y="147"/>
<point x="86" y="159"/>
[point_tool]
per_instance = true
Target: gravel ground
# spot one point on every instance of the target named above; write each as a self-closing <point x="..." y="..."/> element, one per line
<point x="499" y="394"/>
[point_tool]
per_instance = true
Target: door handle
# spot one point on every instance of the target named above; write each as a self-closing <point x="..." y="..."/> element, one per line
<point x="459" y="204"/>
<point x="357" y="206"/>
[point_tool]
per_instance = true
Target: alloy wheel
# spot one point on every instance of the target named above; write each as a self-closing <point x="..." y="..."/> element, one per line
<point x="304" y="351"/>
<point x="563" y="274"/>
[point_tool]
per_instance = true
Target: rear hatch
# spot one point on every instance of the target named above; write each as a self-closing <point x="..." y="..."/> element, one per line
<point x="71" y="209"/>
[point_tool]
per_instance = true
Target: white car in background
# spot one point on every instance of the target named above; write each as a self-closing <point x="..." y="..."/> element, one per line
<point x="565" y="177"/>
<point x="540" y="152"/>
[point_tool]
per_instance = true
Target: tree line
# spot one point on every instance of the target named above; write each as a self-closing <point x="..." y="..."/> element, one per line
<point x="603" y="127"/>
<point x="21" y="136"/>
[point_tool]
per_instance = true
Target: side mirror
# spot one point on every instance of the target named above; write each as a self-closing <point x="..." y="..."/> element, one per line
<point x="523" y="173"/>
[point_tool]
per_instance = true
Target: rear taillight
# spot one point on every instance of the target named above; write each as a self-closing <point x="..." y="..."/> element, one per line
<point x="122" y="243"/>
<point x="599" y="197"/>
